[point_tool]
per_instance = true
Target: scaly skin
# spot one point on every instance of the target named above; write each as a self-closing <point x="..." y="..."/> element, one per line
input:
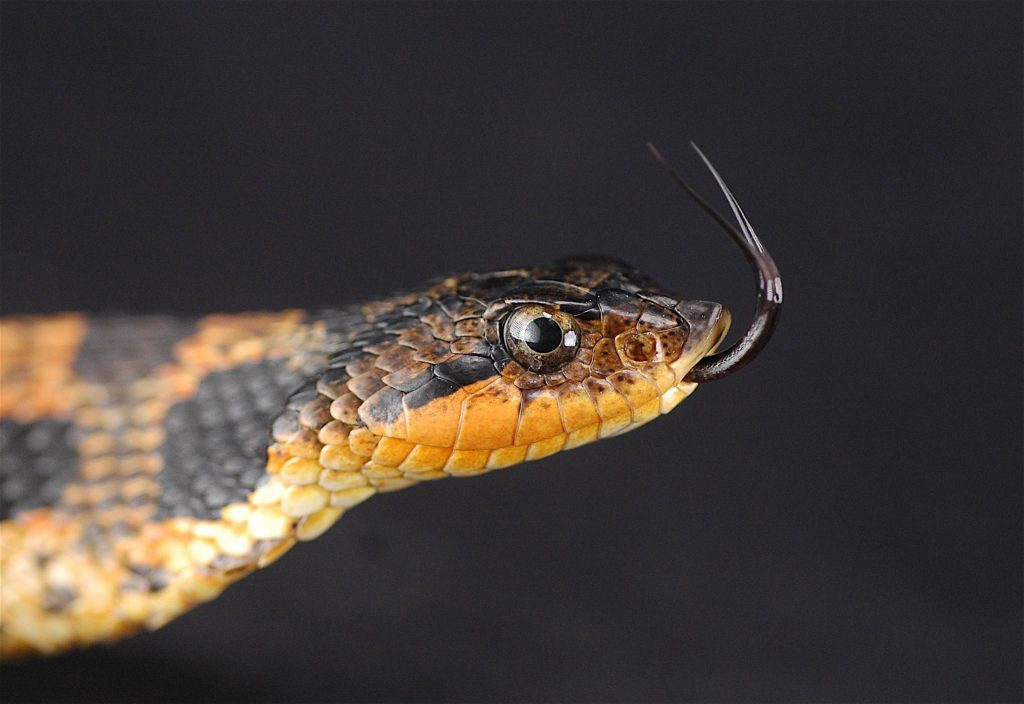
<point x="148" y="462"/>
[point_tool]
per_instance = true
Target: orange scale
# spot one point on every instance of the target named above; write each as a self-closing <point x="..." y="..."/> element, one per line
<point x="507" y="456"/>
<point x="391" y="452"/>
<point x="427" y="475"/>
<point x="436" y="422"/>
<point x="92" y="469"/>
<point x="346" y="408"/>
<point x="363" y="442"/>
<point x="425" y="457"/>
<point x="378" y="471"/>
<point x="648" y="411"/>
<point x="464" y="461"/>
<point x="386" y="484"/>
<point x="583" y="436"/>
<point x="578" y="410"/>
<point x="544" y="448"/>
<point x="334" y="433"/>
<point x="636" y="387"/>
<point x="659" y="373"/>
<point x="340" y="457"/>
<point x="615" y="410"/>
<point x="540" y="418"/>
<point x="489" y="417"/>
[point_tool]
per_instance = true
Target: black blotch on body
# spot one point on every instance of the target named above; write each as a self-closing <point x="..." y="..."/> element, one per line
<point x="58" y="599"/>
<point x="119" y="349"/>
<point x="216" y="447"/>
<point x="37" y="460"/>
<point x="153" y="578"/>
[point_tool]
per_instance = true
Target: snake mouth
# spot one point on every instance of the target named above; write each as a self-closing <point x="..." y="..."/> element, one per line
<point x="709" y="323"/>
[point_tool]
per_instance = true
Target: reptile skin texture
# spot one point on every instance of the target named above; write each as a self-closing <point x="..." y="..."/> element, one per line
<point x="147" y="462"/>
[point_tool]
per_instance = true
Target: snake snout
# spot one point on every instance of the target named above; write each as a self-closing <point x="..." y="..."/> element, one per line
<point x="708" y="323"/>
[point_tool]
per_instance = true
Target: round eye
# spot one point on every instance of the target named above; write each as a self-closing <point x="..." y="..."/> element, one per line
<point x="541" y="339"/>
<point x="541" y="335"/>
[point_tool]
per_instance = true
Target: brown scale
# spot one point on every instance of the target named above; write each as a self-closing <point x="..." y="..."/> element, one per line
<point x="412" y="388"/>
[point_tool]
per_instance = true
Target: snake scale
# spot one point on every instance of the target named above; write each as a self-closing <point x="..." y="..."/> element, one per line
<point x="147" y="462"/>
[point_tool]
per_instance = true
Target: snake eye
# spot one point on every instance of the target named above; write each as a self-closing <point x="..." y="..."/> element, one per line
<point x="541" y="339"/>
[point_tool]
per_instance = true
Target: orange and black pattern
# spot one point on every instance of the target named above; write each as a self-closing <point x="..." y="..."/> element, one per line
<point x="149" y="461"/>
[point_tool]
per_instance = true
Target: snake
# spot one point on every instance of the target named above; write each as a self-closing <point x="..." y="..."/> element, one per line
<point x="148" y="461"/>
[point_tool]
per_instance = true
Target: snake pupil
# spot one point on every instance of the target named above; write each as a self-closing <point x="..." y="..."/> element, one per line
<point x="542" y="335"/>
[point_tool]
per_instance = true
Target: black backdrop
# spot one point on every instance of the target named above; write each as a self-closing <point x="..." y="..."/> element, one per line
<point x="841" y="521"/>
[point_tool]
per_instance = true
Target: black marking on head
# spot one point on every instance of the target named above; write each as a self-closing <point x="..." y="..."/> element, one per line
<point x="500" y="356"/>
<point x="487" y="287"/>
<point x="384" y="407"/>
<point x="216" y="445"/>
<point x="433" y="389"/>
<point x="405" y="382"/>
<point x="465" y="370"/>
<point x="619" y="302"/>
<point x="37" y="460"/>
<point x="568" y="297"/>
<point x="658" y="317"/>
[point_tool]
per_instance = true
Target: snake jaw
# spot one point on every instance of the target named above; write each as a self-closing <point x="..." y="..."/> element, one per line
<point x="709" y="323"/>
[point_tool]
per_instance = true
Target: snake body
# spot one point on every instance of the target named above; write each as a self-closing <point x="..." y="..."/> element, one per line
<point x="150" y="461"/>
<point x="147" y="462"/>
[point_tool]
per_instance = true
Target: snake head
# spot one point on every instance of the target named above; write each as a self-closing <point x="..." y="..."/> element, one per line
<point x="488" y="370"/>
<point x="482" y="371"/>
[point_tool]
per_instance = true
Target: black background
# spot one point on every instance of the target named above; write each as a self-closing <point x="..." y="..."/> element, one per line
<point x="840" y="521"/>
